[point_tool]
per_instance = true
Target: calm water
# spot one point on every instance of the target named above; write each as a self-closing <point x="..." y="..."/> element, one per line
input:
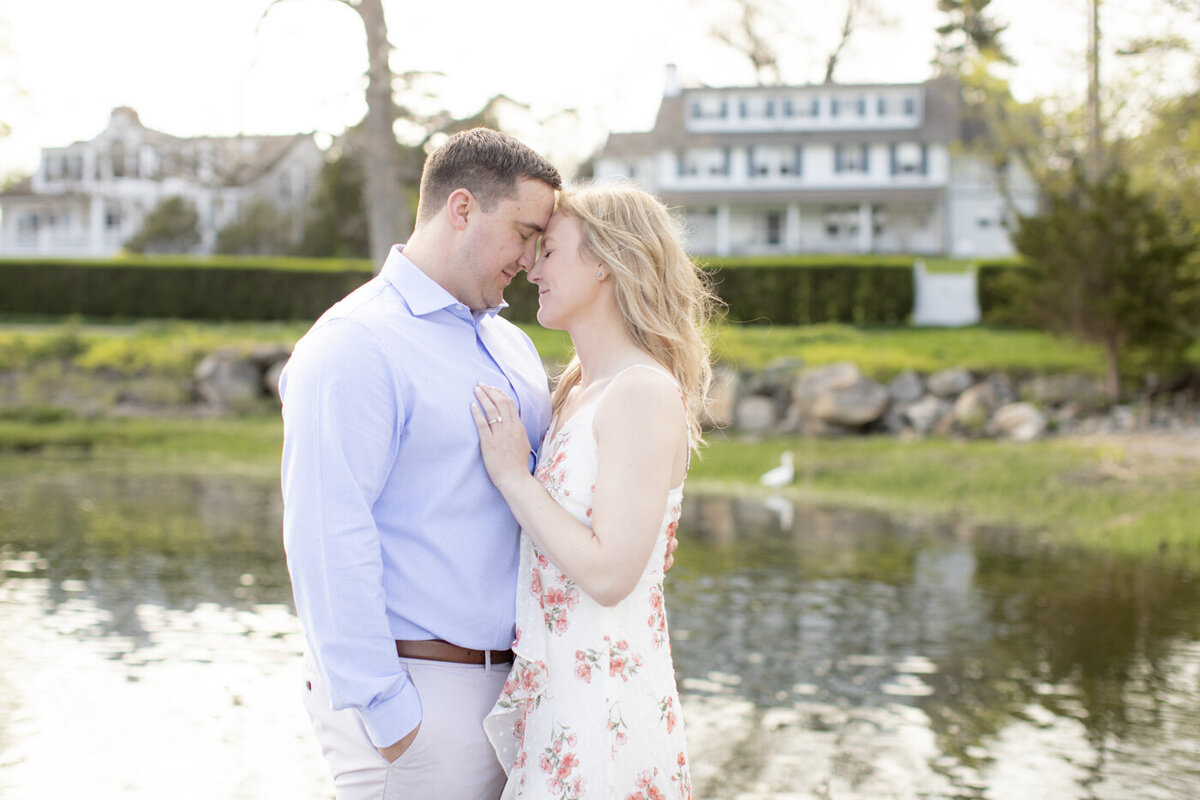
<point x="150" y="650"/>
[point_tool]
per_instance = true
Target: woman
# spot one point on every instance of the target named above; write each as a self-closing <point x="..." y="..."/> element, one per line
<point x="590" y="708"/>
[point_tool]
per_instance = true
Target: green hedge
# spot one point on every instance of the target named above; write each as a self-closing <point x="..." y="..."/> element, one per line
<point x="806" y="295"/>
<point x="796" y="290"/>
<point x="1003" y="294"/>
<point x="216" y="289"/>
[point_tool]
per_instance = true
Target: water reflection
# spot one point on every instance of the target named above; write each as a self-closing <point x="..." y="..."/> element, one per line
<point x="823" y="653"/>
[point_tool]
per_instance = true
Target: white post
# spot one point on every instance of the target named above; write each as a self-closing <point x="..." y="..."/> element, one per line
<point x="723" y="229"/>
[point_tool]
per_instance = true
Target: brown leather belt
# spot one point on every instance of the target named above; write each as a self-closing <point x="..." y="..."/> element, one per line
<point x="437" y="650"/>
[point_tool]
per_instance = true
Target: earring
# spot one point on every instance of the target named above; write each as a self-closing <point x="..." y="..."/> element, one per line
<point x="599" y="274"/>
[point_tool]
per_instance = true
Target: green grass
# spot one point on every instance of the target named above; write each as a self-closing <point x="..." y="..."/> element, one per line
<point x="1094" y="496"/>
<point x="882" y="352"/>
<point x="175" y="347"/>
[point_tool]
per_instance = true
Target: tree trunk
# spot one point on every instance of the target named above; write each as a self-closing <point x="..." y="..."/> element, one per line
<point x="387" y="207"/>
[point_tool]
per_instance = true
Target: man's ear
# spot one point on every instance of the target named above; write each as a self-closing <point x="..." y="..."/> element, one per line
<point x="459" y="206"/>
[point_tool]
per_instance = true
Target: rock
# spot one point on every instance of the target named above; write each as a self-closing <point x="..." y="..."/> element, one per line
<point x="894" y="421"/>
<point x="950" y="382"/>
<point x="1021" y="422"/>
<point x="722" y="398"/>
<point x="924" y="415"/>
<point x="265" y="355"/>
<point x="855" y="405"/>
<point x="1056" y="390"/>
<point x="812" y="383"/>
<point x="976" y="403"/>
<point x="271" y="378"/>
<point x="227" y="379"/>
<point x="754" y="414"/>
<point x="907" y="387"/>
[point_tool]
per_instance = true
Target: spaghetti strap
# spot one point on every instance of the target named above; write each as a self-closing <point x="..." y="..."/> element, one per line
<point x="651" y="367"/>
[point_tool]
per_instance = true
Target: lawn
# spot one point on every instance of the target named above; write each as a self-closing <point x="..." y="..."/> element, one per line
<point x="175" y="347"/>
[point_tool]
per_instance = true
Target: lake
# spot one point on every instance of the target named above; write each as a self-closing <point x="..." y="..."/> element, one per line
<point x="150" y="650"/>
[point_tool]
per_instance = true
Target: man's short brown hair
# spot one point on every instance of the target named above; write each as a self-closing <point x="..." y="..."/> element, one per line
<point x="487" y="163"/>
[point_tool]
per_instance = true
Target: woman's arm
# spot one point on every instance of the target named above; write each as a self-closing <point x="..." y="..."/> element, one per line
<point x="642" y="447"/>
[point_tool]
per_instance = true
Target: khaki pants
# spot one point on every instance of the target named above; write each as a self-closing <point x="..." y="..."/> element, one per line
<point x="451" y="758"/>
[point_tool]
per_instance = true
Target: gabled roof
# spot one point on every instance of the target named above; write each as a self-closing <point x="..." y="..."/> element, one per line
<point x="941" y="120"/>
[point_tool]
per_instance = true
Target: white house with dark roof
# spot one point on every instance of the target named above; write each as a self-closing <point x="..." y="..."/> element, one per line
<point x="88" y="198"/>
<point x="866" y="168"/>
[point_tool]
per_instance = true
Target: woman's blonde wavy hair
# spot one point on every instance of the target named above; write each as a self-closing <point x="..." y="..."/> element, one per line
<point x="663" y="296"/>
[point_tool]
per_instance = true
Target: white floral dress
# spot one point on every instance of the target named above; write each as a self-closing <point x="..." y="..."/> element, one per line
<point x="590" y="708"/>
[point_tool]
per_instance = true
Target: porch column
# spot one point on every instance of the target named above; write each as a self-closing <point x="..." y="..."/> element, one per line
<point x="866" y="228"/>
<point x="791" y="230"/>
<point x="722" y="229"/>
<point x="96" y="229"/>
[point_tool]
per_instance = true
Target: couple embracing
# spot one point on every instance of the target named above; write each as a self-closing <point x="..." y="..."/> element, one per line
<point x="478" y="565"/>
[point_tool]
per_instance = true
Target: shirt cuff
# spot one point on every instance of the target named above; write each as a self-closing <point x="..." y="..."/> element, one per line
<point x="391" y="720"/>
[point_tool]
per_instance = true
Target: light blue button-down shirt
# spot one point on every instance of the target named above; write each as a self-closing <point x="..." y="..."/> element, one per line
<point x="392" y="528"/>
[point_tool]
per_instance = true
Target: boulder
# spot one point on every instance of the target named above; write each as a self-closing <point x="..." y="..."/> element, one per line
<point x="907" y="387"/>
<point x="754" y="414"/>
<point x="976" y="403"/>
<point x="1056" y="390"/>
<point x="227" y="379"/>
<point x="811" y="383"/>
<point x="1021" y="422"/>
<point x="857" y="404"/>
<point x="722" y="398"/>
<point x="271" y="378"/>
<point x="923" y="416"/>
<point x="950" y="382"/>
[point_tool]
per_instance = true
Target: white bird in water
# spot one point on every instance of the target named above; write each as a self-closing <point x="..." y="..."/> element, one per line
<point x="782" y="475"/>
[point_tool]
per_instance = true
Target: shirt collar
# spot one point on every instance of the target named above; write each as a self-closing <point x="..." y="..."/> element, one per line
<point x="422" y="293"/>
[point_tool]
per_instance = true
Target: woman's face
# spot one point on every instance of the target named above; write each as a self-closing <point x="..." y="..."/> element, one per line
<point x="567" y="284"/>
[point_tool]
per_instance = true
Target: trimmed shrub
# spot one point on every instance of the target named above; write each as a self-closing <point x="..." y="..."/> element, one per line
<point x="178" y="288"/>
<point x="800" y="290"/>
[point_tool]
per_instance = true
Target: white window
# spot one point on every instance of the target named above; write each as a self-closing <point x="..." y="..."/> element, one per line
<point x="851" y="158"/>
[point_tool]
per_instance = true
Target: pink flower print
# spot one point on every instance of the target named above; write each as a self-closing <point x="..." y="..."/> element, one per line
<point x="583" y="668"/>
<point x="666" y="713"/>
<point x="621" y="661"/>
<point x="535" y="585"/>
<point x="559" y="765"/>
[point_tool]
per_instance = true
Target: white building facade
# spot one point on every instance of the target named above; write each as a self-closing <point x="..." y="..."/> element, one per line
<point x="89" y="198"/>
<point x="877" y="168"/>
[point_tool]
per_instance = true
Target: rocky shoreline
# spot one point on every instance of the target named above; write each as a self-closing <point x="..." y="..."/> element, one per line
<point x="839" y="400"/>
<point x="785" y="398"/>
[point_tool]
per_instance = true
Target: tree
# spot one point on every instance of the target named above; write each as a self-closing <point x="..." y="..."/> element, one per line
<point x="968" y="31"/>
<point x="259" y="230"/>
<point x="750" y="36"/>
<point x="859" y="14"/>
<point x="1108" y="268"/>
<point x="336" y="226"/>
<point x="172" y="227"/>
<point x="388" y="217"/>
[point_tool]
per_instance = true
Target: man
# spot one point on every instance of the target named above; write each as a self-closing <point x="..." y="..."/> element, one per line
<point x="403" y="555"/>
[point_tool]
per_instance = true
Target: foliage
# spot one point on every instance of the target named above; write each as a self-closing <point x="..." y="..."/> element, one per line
<point x="172" y="227"/>
<point x="337" y="224"/>
<point x="185" y="289"/>
<point x="968" y="32"/>
<point x="260" y="229"/>
<point x="1107" y="268"/>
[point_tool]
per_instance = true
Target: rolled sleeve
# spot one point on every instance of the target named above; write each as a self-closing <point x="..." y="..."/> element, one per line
<point x="343" y="416"/>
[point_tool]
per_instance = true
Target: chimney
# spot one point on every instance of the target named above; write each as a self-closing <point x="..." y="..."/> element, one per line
<point x="671" y="86"/>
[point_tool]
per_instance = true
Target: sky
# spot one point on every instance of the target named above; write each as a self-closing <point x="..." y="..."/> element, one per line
<point x="220" y="67"/>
